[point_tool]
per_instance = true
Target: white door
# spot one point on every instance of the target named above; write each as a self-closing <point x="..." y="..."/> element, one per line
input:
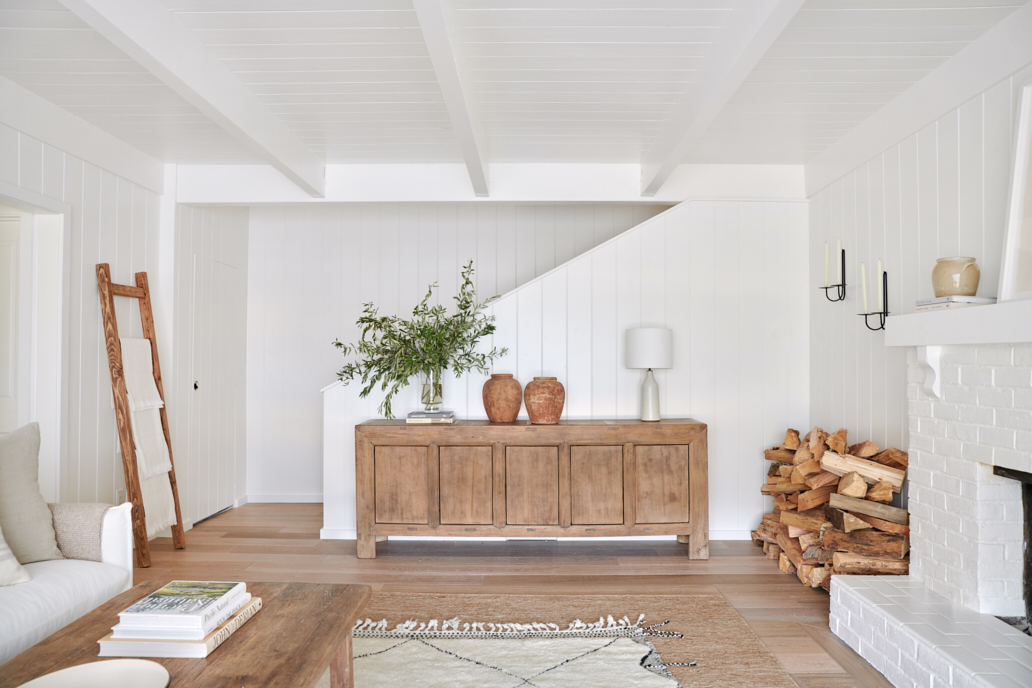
<point x="10" y="228"/>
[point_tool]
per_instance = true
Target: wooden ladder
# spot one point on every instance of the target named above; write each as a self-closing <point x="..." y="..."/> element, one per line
<point x="141" y="292"/>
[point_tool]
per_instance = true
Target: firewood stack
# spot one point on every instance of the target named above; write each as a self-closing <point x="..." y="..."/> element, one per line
<point x="831" y="508"/>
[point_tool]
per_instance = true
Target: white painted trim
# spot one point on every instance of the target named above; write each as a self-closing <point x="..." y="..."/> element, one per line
<point x="1001" y="323"/>
<point x="338" y="534"/>
<point x="1016" y="206"/>
<point x="282" y="499"/>
<point x="998" y="53"/>
<point x="352" y="534"/>
<point x="24" y="111"/>
<point x="445" y="47"/>
<point x="715" y="535"/>
<point x="240" y="501"/>
<point x="513" y="183"/>
<point x="151" y="35"/>
<point x="747" y="35"/>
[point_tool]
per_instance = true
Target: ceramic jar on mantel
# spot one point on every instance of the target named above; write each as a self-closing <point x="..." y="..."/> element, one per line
<point x="503" y="397"/>
<point x="955" y="277"/>
<point x="544" y="397"/>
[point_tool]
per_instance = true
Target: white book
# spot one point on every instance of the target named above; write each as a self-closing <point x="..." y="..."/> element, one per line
<point x="944" y="306"/>
<point x="194" y="649"/>
<point x="956" y="299"/>
<point x="182" y="604"/>
<point x="121" y="631"/>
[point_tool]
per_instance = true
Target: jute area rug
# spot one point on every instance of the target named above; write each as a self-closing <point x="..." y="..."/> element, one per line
<point x="724" y="650"/>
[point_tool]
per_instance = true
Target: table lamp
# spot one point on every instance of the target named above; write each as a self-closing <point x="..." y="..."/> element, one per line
<point x="648" y="348"/>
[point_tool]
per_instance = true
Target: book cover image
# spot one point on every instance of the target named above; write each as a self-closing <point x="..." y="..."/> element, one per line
<point x="182" y="597"/>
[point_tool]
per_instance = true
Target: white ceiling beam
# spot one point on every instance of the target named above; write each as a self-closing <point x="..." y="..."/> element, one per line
<point x="448" y="58"/>
<point x="150" y="34"/>
<point x="745" y="38"/>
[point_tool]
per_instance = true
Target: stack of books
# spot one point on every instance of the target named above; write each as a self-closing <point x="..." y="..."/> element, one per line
<point x="182" y="619"/>
<point x="431" y="417"/>
<point x="948" y="302"/>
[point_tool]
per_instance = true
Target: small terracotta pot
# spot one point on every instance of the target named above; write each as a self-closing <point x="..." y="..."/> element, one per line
<point x="502" y="398"/>
<point x="544" y="397"/>
<point x="955" y="277"/>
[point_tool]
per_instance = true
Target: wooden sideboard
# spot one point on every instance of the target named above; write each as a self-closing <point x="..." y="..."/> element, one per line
<point x="577" y="478"/>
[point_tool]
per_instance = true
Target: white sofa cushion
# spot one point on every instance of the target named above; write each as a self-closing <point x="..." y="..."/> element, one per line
<point x="60" y="592"/>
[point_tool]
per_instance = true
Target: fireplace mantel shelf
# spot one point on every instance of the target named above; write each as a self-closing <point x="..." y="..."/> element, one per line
<point x="1001" y="323"/>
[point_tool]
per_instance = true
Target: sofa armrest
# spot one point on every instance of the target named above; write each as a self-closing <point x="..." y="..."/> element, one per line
<point x="116" y="539"/>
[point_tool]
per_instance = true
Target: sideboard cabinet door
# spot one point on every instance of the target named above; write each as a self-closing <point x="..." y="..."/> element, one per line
<point x="661" y="475"/>
<point x="466" y="486"/>
<point x="532" y="485"/>
<point x="596" y="485"/>
<point x="401" y="484"/>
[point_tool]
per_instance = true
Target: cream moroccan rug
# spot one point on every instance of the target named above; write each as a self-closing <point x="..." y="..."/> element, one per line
<point x="706" y="644"/>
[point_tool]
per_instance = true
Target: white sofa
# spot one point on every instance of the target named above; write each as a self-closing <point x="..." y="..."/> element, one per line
<point x="62" y="590"/>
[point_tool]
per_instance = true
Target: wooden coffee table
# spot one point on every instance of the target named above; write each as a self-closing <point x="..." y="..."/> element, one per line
<point x="301" y="629"/>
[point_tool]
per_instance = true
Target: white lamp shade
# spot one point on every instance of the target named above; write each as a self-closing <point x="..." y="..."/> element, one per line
<point x="650" y="347"/>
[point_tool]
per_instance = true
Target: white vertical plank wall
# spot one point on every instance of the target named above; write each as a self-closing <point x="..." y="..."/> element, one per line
<point x="311" y="267"/>
<point x="940" y="192"/>
<point x="210" y="335"/>
<point x="112" y="221"/>
<point x="721" y="274"/>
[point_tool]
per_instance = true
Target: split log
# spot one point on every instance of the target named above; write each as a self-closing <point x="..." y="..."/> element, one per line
<point x="862" y="506"/>
<point x="852" y="485"/>
<point x="847" y="562"/>
<point x="791" y="440"/>
<point x="885" y="526"/>
<point x="802" y="455"/>
<point x="785" y="564"/>
<point x="803" y="573"/>
<point x="869" y="470"/>
<point x="881" y="492"/>
<point x="814" y="498"/>
<point x="773" y="470"/>
<point x="864" y="450"/>
<point x="784" y="470"/>
<point x="826" y="582"/>
<point x="758" y="541"/>
<point x="781" y="502"/>
<point x="811" y="520"/>
<point x="773" y="552"/>
<point x="817" y="576"/>
<point x="870" y="543"/>
<point x="767" y="489"/>
<point x="845" y="521"/>
<point x="817" y="437"/>
<point x="894" y="458"/>
<point x="786" y="488"/>
<point x="795" y="532"/>
<point x="775" y="454"/>
<point x="771" y="517"/>
<point x="821" y="479"/>
<point x="819" y="554"/>
<point x="837" y="442"/>
<point x="773" y="479"/>
<point x="793" y="497"/>
<point x="808" y="540"/>
<point x="805" y="470"/>
<point x="790" y="548"/>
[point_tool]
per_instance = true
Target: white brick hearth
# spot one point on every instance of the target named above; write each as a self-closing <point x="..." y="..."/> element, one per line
<point x="934" y="627"/>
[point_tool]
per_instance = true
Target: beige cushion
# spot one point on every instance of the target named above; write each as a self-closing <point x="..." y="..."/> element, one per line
<point x="11" y="572"/>
<point x="25" y="518"/>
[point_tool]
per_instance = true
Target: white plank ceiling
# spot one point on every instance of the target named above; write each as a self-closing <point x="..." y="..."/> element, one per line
<point x="553" y="80"/>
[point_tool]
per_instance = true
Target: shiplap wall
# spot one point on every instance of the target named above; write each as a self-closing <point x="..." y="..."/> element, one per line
<point x="210" y="335"/>
<point x="940" y="192"/>
<point x="312" y="267"/>
<point x="721" y="275"/>
<point x="113" y="221"/>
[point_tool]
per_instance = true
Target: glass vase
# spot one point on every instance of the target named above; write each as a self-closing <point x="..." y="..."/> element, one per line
<point x="431" y="390"/>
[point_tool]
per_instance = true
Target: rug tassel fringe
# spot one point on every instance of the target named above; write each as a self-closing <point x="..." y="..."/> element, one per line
<point x="456" y="625"/>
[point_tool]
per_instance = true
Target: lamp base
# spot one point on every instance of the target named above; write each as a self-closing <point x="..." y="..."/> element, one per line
<point x="649" y="398"/>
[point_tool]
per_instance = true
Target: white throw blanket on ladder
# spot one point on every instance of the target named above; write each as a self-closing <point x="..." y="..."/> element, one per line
<point x="153" y="461"/>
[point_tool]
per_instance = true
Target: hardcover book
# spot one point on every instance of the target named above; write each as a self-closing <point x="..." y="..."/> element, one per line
<point x="121" y="631"/>
<point x="195" y="649"/>
<point x="182" y="604"/>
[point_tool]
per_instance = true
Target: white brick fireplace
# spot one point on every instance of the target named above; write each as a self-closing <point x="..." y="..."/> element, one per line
<point x="935" y="627"/>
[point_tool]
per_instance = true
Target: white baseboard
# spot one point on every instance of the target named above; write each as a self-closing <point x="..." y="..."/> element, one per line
<point x="351" y="534"/>
<point x="283" y="499"/>
<point x="338" y="534"/>
<point x="239" y="502"/>
<point x="730" y="535"/>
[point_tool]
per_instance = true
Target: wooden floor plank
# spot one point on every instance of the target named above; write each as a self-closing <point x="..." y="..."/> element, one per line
<point x="280" y="543"/>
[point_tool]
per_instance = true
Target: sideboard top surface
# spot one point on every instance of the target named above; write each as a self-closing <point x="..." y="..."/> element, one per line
<point x="400" y="422"/>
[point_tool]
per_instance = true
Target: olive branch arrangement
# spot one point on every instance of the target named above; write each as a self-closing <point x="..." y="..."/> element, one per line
<point x="391" y="349"/>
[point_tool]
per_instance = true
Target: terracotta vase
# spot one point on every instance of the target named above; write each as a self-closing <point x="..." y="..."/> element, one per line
<point x="502" y="398"/>
<point x="544" y="397"/>
<point x="955" y="277"/>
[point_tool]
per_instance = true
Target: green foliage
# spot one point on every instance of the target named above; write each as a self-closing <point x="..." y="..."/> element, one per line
<point x="391" y="350"/>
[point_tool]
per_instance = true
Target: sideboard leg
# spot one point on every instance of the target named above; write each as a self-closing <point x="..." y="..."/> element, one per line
<point x="698" y="545"/>
<point x="381" y="538"/>
<point x="366" y="546"/>
<point x="684" y="539"/>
